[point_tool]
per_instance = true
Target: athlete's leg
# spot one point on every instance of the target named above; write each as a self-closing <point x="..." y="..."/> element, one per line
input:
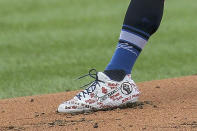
<point x="142" y="19"/>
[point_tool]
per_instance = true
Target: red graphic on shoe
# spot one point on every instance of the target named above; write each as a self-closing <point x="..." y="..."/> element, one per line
<point x="112" y="85"/>
<point x="104" y="90"/>
<point x="100" y="103"/>
<point x="74" y="107"/>
<point x="92" y="95"/>
<point x="114" y="96"/>
<point x="129" y="98"/>
<point x="90" y="101"/>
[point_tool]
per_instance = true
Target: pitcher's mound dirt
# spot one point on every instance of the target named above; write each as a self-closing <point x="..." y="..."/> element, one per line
<point x="164" y="105"/>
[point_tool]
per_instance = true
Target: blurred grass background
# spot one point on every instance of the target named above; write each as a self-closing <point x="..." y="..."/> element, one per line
<point x="45" y="44"/>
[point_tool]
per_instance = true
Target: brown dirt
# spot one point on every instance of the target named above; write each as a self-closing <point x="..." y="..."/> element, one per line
<point x="169" y="104"/>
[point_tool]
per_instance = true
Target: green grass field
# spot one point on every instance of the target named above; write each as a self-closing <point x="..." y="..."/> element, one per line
<point x="46" y="44"/>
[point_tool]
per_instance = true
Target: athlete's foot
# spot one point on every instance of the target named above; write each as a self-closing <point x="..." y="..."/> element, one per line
<point x="102" y="94"/>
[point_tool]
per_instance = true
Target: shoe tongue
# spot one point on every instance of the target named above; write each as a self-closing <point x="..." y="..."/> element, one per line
<point x="103" y="77"/>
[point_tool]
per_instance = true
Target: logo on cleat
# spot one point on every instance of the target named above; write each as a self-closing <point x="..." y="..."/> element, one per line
<point x="126" y="88"/>
<point x="104" y="90"/>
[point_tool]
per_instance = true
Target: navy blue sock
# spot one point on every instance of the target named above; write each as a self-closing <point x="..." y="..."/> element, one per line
<point x="142" y="19"/>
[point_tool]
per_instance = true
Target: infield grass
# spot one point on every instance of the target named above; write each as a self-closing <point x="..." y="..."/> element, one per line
<point x="46" y="44"/>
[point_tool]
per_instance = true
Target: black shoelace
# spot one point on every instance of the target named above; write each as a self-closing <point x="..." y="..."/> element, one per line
<point x="92" y="85"/>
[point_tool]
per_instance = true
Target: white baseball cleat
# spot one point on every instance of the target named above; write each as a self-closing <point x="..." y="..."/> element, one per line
<point x="101" y="94"/>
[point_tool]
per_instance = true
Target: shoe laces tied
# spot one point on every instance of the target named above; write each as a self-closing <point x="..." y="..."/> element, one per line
<point x="92" y="85"/>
